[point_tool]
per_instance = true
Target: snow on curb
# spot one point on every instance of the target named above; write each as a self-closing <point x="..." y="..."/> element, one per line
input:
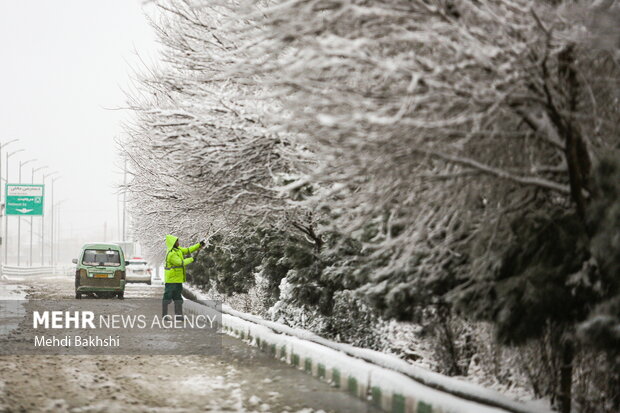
<point x="362" y="372"/>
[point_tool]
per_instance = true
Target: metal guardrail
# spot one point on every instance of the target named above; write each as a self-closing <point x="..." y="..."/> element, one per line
<point x="67" y="270"/>
<point x="15" y="271"/>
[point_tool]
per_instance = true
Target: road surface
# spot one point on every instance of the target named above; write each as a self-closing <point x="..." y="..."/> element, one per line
<point x="241" y="378"/>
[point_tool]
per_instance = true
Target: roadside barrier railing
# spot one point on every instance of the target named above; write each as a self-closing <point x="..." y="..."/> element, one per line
<point x="15" y="271"/>
<point x="68" y="270"/>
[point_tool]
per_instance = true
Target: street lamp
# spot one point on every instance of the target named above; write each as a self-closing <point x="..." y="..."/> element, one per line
<point x="19" y="218"/>
<point x="52" y="243"/>
<point x="45" y="176"/>
<point x="2" y="145"/>
<point x="31" y="218"/>
<point x="6" y="217"/>
<point x="57" y="235"/>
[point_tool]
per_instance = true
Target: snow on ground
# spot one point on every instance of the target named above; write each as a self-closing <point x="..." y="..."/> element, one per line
<point x="11" y="308"/>
<point x="3" y="407"/>
<point x="12" y="291"/>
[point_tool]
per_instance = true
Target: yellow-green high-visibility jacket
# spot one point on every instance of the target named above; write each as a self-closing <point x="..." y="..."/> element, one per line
<point x="174" y="267"/>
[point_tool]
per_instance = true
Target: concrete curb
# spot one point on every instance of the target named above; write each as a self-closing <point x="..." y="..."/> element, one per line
<point x="386" y="389"/>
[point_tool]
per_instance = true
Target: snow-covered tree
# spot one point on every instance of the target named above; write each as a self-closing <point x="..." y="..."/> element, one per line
<point x="446" y="123"/>
<point x="449" y="137"/>
<point x="201" y="158"/>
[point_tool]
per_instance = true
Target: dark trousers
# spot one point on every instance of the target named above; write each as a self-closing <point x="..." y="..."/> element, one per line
<point x="173" y="292"/>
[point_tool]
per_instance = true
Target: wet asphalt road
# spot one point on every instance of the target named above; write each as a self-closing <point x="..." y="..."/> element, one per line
<point x="236" y="378"/>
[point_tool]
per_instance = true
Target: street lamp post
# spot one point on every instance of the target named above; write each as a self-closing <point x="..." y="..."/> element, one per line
<point x="19" y="218"/>
<point x="45" y="176"/>
<point x="124" y="199"/>
<point x="31" y="219"/>
<point x="58" y="228"/>
<point x="52" y="217"/>
<point x="6" y="217"/>
<point x="2" y="258"/>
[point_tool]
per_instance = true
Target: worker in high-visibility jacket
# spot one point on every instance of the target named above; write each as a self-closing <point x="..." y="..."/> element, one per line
<point x="174" y="273"/>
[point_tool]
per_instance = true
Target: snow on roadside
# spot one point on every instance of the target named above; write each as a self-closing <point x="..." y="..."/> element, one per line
<point x="12" y="291"/>
<point x="434" y="385"/>
<point x="11" y="306"/>
<point x="350" y="370"/>
<point x="3" y="406"/>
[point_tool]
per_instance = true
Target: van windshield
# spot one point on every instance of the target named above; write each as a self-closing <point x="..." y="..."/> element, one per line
<point x="109" y="258"/>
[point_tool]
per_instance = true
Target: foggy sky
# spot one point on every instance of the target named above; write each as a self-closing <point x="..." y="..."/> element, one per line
<point x="64" y="64"/>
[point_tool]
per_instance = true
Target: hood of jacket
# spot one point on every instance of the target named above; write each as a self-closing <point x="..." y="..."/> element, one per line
<point x="170" y="241"/>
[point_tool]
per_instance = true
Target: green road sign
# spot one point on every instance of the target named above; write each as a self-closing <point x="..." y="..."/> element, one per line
<point x="24" y="199"/>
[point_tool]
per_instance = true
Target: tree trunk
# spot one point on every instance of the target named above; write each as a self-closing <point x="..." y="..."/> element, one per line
<point x="576" y="151"/>
<point x="614" y="382"/>
<point x="448" y="342"/>
<point x="308" y="231"/>
<point x="566" y="376"/>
